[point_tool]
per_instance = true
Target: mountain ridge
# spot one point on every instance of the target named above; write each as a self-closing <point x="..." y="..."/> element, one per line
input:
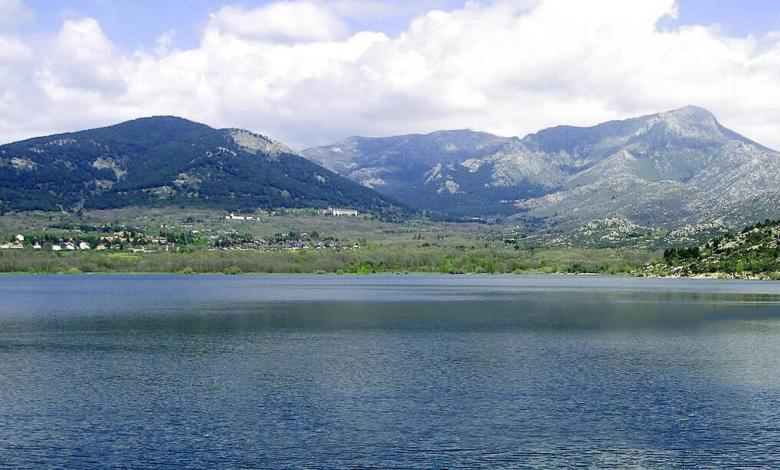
<point x="672" y="170"/>
<point x="669" y="169"/>
<point x="168" y="160"/>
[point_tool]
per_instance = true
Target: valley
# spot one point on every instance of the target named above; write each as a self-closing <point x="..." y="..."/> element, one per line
<point x="170" y="240"/>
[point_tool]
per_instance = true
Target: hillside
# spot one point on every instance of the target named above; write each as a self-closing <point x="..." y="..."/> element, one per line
<point x="753" y="252"/>
<point x="160" y="161"/>
<point x="674" y="170"/>
<point x="437" y="171"/>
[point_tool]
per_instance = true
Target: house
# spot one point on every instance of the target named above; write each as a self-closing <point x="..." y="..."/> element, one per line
<point x="70" y="246"/>
<point x="340" y="212"/>
<point x="37" y="246"/>
<point x="16" y="245"/>
<point x="84" y="246"/>
<point x="233" y="216"/>
<point x="56" y="248"/>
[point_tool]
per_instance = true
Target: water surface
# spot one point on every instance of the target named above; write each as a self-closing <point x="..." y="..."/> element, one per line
<point x="388" y="371"/>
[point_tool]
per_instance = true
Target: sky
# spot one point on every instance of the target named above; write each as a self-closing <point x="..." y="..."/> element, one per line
<point x="311" y="72"/>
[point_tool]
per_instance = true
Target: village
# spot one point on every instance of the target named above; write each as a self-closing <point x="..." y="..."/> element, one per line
<point x="122" y="241"/>
<point x="180" y="238"/>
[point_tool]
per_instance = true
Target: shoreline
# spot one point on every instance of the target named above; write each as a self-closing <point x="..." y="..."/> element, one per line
<point x="700" y="277"/>
<point x="262" y="273"/>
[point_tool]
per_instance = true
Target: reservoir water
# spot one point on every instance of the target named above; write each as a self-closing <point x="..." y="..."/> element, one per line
<point x="388" y="371"/>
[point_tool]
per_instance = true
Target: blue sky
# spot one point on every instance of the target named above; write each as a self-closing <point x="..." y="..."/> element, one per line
<point x="138" y="23"/>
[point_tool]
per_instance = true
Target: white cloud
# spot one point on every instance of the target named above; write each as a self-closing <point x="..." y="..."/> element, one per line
<point x="13" y="13"/>
<point x="286" y="21"/>
<point x="83" y="57"/>
<point x="292" y="70"/>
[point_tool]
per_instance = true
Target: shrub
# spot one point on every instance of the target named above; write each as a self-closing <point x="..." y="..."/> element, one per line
<point x="232" y="270"/>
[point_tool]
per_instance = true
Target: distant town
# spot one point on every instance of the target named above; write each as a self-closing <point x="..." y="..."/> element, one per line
<point x="176" y="239"/>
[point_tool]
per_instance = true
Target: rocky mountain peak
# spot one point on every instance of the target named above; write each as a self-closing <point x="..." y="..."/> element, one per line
<point x="691" y="113"/>
<point x="689" y="122"/>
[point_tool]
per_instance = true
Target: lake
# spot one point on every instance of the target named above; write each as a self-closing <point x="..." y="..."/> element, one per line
<point x="388" y="371"/>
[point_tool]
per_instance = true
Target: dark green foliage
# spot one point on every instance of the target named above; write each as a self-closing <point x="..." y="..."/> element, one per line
<point x="672" y="255"/>
<point x="753" y="252"/>
<point x="164" y="161"/>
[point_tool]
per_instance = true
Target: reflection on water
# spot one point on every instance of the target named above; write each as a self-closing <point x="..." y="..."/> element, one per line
<point x="388" y="371"/>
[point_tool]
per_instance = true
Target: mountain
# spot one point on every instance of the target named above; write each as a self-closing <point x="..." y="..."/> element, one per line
<point x="674" y="169"/>
<point x="670" y="169"/>
<point x="168" y="160"/>
<point x="439" y="171"/>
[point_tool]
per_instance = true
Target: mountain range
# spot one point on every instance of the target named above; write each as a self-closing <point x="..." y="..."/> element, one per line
<point x="170" y="161"/>
<point x="674" y="169"/>
<point x="678" y="171"/>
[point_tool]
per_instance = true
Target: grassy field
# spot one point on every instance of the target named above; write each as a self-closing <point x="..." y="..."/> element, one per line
<point x="414" y="246"/>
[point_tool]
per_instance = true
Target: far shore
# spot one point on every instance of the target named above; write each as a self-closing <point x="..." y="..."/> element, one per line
<point x="708" y="277"/>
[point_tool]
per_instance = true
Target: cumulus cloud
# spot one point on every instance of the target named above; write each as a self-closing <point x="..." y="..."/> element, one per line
<point x="294" y="71"/>
<point x="300" y="21"/>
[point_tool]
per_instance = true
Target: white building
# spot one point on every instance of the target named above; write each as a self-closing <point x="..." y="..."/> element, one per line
<point x="340" y="212"/>
<point x="56" y="248"/>
<point x="233" y="216"/>
<point x="84" y="246"/>
<point x="16" y="245"/>
<point x="19" y="238"/>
